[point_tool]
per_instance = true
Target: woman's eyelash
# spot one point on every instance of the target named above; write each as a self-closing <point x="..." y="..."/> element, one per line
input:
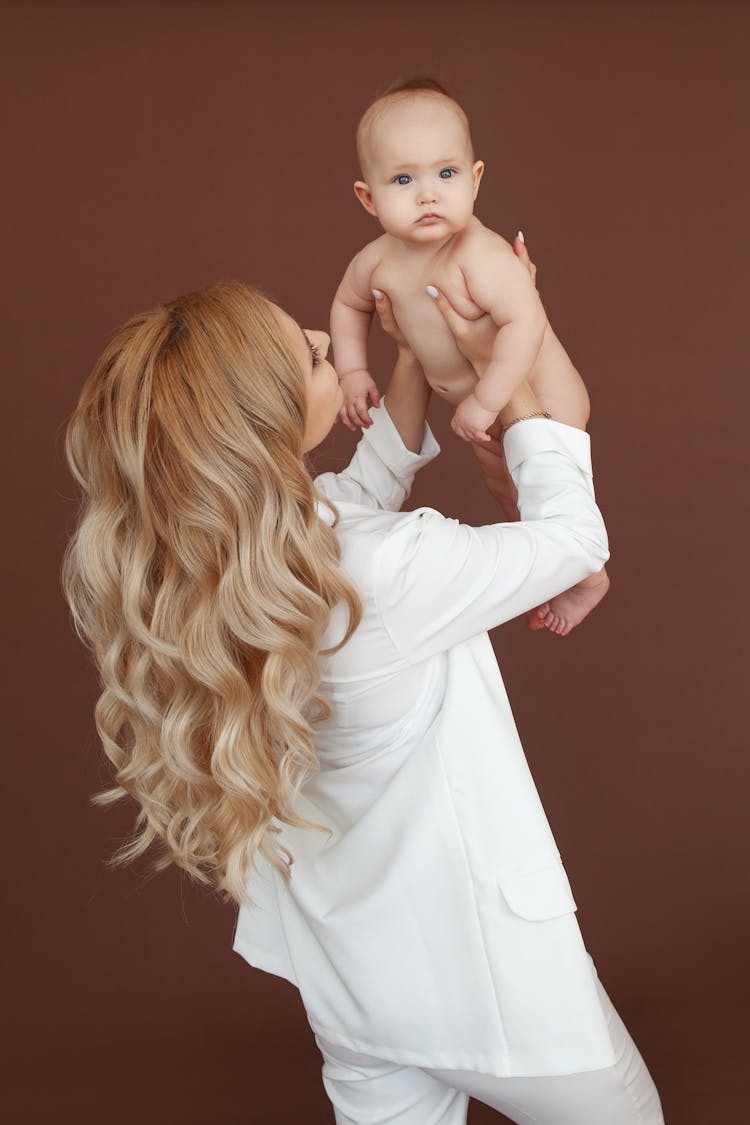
<point x="315" y="351"/>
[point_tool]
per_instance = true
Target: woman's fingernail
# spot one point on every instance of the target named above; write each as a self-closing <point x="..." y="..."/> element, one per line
<point x="377" y="295"/>
<point x="432" y="290"/>
<point x="520" y="235"/>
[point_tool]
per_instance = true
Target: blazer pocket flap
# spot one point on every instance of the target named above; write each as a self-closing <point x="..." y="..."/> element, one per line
<point x="538" y="892"/>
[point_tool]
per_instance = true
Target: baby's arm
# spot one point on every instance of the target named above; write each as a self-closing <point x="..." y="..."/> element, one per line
<point x="351" y="314"/>
<point x="501" y="285"/>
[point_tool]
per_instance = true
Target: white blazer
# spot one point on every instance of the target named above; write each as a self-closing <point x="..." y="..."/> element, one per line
<point x="434" y="924"/>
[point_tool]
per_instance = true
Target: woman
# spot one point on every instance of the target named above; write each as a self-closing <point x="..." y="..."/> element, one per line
<point x="300" y="693"/>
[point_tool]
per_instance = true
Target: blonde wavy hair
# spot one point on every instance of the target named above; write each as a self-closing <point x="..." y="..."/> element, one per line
<point x="202" y="579"/>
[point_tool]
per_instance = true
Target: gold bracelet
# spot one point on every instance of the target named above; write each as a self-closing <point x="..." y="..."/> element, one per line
<point x="525" y="418"/>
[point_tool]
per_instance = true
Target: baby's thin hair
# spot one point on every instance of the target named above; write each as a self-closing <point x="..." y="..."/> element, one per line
<point x="413" y="84"/>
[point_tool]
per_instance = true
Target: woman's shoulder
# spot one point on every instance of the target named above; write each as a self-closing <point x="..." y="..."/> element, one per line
<point x="359" y="519"/>
<point x="389" y="550"/>
<point x="373" y="527"/>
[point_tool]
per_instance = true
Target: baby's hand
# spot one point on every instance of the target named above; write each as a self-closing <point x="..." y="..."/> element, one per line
<point x="358" y="386"/>
<point x="471" y="420"/>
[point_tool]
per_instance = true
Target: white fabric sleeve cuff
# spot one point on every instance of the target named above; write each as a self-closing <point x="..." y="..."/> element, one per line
<point x="543" y="435"/>
<point x="386" y="441"/>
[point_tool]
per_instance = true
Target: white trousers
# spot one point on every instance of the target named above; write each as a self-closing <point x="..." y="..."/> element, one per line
<point x="370" y="1091"/>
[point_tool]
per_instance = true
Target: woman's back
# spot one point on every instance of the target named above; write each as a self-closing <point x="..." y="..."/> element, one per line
<point x="412" y="889"/>
<point x="436" y="835"/>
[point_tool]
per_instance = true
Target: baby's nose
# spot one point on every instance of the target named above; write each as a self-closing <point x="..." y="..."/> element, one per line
<point x="427" y="193"/>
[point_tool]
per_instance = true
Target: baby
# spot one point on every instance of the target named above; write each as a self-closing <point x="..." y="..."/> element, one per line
<point x="421" y="180"/>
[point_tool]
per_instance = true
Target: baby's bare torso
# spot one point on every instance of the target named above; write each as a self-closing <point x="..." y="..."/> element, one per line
<point x="404" y="274"/>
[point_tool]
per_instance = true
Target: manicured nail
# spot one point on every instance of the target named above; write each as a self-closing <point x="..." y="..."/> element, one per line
<point x="377" y="295"/>
<point x="520" y="235"/>
<point x="432" y="291"/>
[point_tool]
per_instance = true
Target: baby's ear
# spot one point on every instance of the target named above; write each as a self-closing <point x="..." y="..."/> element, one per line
<point x="477" y="171"/>
<point x="364" y="195"/>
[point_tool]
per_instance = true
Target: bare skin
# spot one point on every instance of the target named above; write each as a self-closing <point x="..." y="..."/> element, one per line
<point x="474" y="339"/>
<point x="421" y="185"/>
<point x="568" y="609"/>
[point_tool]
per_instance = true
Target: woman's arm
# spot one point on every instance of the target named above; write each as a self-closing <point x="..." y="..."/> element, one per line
<point x="439" y="582"/>
<point x="408" y="391"/>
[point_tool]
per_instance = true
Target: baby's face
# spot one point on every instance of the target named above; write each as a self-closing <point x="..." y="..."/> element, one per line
<point x="422" y="181"/>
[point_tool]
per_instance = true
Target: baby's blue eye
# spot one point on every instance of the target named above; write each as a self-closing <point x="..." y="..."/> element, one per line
<point x="446" y="173"/>
<point x="402" y="179"/>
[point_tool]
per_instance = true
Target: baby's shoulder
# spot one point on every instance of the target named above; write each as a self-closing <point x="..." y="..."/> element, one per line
<point x="485" y="257"/>
<point x="362" y="266"/>
<point x="373" y="253"/>
<point x="477" y="241"/>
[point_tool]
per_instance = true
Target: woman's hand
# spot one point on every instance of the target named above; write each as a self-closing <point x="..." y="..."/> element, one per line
<point x="388" y="320"/>
<point x="475" y="338"/>
<point x="519" y="249"/>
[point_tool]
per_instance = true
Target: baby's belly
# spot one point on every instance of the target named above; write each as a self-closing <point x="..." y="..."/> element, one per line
<point x="451" y="385"/>
<point x="449" y="374"/>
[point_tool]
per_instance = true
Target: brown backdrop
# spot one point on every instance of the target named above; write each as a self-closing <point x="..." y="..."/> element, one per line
<point x="154" y="147"/>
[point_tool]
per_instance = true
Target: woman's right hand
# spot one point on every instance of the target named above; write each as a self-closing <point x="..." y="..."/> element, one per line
<point x="519" y="249"/>
<point x="475" y="338"/>
<point x="388" y="320"/>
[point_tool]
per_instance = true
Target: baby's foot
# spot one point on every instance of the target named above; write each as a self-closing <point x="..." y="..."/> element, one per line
<point x="563" y="613"/>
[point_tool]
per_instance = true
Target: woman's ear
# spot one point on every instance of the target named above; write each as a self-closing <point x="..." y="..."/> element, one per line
<point x="364" y="195"/>
<point x="476" y="172"/>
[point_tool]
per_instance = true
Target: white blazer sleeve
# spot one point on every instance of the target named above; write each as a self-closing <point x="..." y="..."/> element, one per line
<point x="439" y="582"/>
<point x="382" y="470"/>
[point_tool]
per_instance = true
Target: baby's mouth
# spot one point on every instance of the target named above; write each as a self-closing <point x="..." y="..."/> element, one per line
<point x="428" y="219"/>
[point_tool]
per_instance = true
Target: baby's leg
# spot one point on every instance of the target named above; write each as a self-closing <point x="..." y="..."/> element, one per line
<point x="568" y="609"/>
<point x="561" y="390"/>
<point x="558" y="385"/>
